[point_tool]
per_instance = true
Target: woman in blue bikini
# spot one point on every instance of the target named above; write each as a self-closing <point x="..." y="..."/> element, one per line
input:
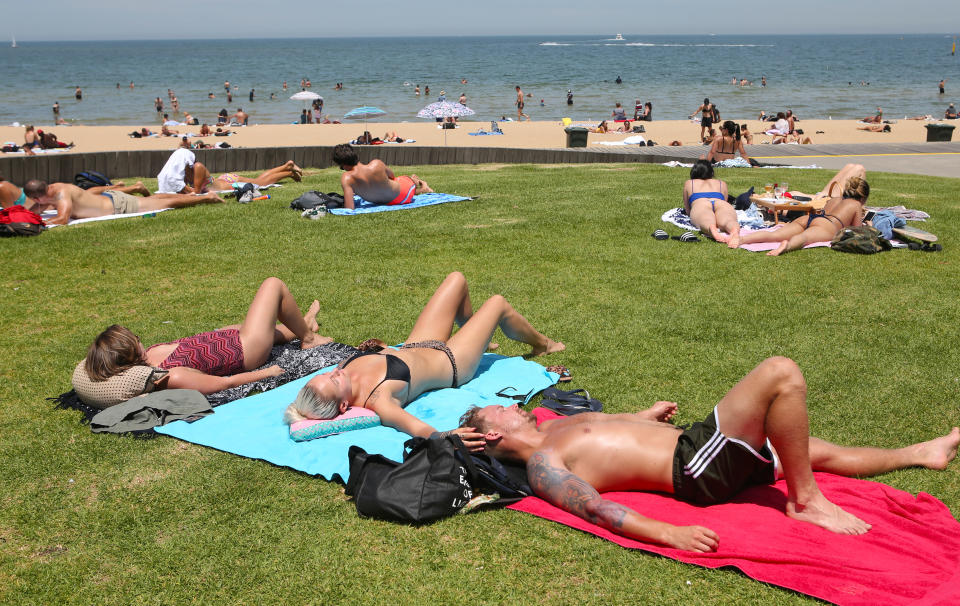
<point x="431" y="359"/>
<point x="705" y="200"/>
<point x="845" y="210"/>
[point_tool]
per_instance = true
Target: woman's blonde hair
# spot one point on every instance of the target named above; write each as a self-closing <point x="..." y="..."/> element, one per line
<point x="113" y="351"/>
<point x="857" y="189"/>
<point x="309" y="405"/>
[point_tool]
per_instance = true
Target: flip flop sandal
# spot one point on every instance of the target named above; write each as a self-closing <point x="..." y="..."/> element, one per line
<point x="570" y="402"/>
<point x="660" y="235"/>
<point x="561" y="370"/>
<point x="687" y="236"/>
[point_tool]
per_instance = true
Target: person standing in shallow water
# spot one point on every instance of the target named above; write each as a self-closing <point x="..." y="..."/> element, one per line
<point x="520" y="103"/>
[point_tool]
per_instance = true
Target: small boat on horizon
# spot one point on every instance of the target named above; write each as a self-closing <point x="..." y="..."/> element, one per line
<point x="619" y="37"/>
<point x="13" y="43"/>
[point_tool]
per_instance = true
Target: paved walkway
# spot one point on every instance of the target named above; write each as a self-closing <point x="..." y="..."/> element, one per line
<point x="933" y="159"/>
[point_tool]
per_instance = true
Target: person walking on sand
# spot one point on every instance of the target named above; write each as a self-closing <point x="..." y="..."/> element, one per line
<point x="520" y="98"/>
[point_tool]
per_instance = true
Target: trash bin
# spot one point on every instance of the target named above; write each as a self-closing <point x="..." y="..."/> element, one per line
<point x="577" y="136"/>
<point x="939" y="132"/>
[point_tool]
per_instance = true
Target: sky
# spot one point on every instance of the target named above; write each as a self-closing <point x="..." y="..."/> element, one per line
<point x="184" y="19"/>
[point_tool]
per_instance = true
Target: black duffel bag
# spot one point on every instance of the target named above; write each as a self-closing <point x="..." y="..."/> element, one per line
<point x="313" y="199"/>
<point x="430" y="484"/>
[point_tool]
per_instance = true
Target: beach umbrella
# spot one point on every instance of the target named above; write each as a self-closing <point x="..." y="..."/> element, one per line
<point x="363" y="113"/>
<point x="445" y="109"/>
<point x="306" y="96"/>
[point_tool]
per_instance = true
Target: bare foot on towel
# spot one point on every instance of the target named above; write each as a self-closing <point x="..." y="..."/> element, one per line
<point x="938" y="452"/>
<point x="734" y="241"/>
<point x="821" y="512"/>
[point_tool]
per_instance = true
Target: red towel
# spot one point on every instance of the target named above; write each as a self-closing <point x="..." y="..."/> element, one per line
<point x="911" y="555"/>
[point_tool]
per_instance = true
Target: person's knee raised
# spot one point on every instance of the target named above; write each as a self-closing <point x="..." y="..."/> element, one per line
<point x="457" y="277"/>
<point x="273" y="282"/>
<point x="784" y="372"/>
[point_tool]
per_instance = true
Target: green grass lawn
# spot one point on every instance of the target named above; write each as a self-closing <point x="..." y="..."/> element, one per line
<point x="98" y="519"/>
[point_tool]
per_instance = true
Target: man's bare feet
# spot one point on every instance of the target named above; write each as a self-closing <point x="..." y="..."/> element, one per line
<point x="734" y="241"/>
<point x="211" y="196"/>
<point x="938" y="452"/>
<point x="550" y="347"/>
<point x="141" y="189"/>
<point x="311" y="316"/>
<point x="776" y="252"/>
<point x="821" y="512"/>
<point x="314" y="340"/>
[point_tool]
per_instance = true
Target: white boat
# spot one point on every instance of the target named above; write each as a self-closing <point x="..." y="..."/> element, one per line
<point x="619" y="37"/>
<point x="13" y="43"/>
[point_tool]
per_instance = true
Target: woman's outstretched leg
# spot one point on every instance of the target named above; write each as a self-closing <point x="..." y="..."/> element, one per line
<point x="471" y="340"/>
<point x="449" y="304"/>
<point x="777" y="235"/>
<point x="273" y="302"/>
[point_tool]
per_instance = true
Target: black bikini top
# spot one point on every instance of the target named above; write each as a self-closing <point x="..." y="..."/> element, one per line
<point x="397" y="369"/>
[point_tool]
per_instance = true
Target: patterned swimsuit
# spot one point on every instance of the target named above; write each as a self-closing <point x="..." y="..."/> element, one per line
<point x="218" y="352"/>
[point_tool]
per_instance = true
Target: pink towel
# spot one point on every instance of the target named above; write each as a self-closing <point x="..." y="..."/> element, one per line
<point x="911" y="555"/>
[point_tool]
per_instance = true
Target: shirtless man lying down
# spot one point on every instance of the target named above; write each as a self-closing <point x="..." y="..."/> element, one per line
<point x="374" y="182"/>
<point x="759" y="431"/>
<point x="71" y="202"/>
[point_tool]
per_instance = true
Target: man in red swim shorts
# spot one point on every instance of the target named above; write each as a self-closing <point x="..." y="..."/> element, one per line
<point x="374" y="182"/>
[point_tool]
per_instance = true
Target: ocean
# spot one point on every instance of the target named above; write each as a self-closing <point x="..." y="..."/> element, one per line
<point x="816" y="76"/>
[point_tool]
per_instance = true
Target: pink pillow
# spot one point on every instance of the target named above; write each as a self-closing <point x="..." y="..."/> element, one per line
<point x="356" y="417"/>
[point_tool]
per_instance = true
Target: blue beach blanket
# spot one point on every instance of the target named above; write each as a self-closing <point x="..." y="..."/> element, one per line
<point x="363" y="207"/>
<point x="253" y="427"/>
<point x="481" y="133"/>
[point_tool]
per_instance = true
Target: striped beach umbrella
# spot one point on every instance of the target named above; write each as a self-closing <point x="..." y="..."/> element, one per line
<point x="364" y="113"/>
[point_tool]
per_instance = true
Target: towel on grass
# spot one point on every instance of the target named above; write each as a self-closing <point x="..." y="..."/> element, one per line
<point x="764" y="246"/>
<point x="253" y="427"/>
<point x="49" y="214"/>
<point x="675" y="164"/>
<point x="910" y="556"/>
<point x="363" y="207"/>
<point x="746" y="218"/>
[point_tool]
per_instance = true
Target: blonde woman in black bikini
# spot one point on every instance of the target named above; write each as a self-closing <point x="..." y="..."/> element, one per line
<point x="847" y="210"/>
<point x="385" y="382"/>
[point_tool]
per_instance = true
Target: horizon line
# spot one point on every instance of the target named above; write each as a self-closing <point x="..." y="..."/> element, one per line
<point x="349" y="37"/>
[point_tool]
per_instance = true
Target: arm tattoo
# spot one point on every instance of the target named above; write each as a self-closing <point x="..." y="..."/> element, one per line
<point x="567" y="491"/>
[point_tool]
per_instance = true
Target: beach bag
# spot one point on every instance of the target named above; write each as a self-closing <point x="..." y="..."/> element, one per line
<point x="18" y="221"/>
<point x="430" y="484"/>
<point x="313" y="199"/>
<point x="90" y="178"/>
<point x="863" y="239"/>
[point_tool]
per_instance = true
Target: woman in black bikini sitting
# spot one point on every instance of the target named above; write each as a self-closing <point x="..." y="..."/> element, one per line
<point x="847" y="210"/>
<point x="430" y="359"/>
<point x="727" y="144"/>
<point x="705" y="200"/>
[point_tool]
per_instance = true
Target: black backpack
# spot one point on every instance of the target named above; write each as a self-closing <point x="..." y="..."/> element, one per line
<point x="313" y="199"/>
<point x="90" y="178"/>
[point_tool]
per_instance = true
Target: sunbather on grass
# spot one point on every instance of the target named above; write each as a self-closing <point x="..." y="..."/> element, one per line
<point x="212" y="361"/>
<point x="430" y="359"/>
<point x="705" y="200"/>
<point x="182" y="174"/>
<point x="758" y="432"/>
<point x="374" y="181"/>
<point x="847" y="210"/>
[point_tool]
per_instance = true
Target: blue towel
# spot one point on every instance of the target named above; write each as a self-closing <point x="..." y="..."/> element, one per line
<point x="363" y="207"/>
<point x="480" y="133"/>
<point x="253" y="427"/>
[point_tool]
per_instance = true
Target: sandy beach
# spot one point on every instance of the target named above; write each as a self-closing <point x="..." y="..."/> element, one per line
<point x="544" y="134"/>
